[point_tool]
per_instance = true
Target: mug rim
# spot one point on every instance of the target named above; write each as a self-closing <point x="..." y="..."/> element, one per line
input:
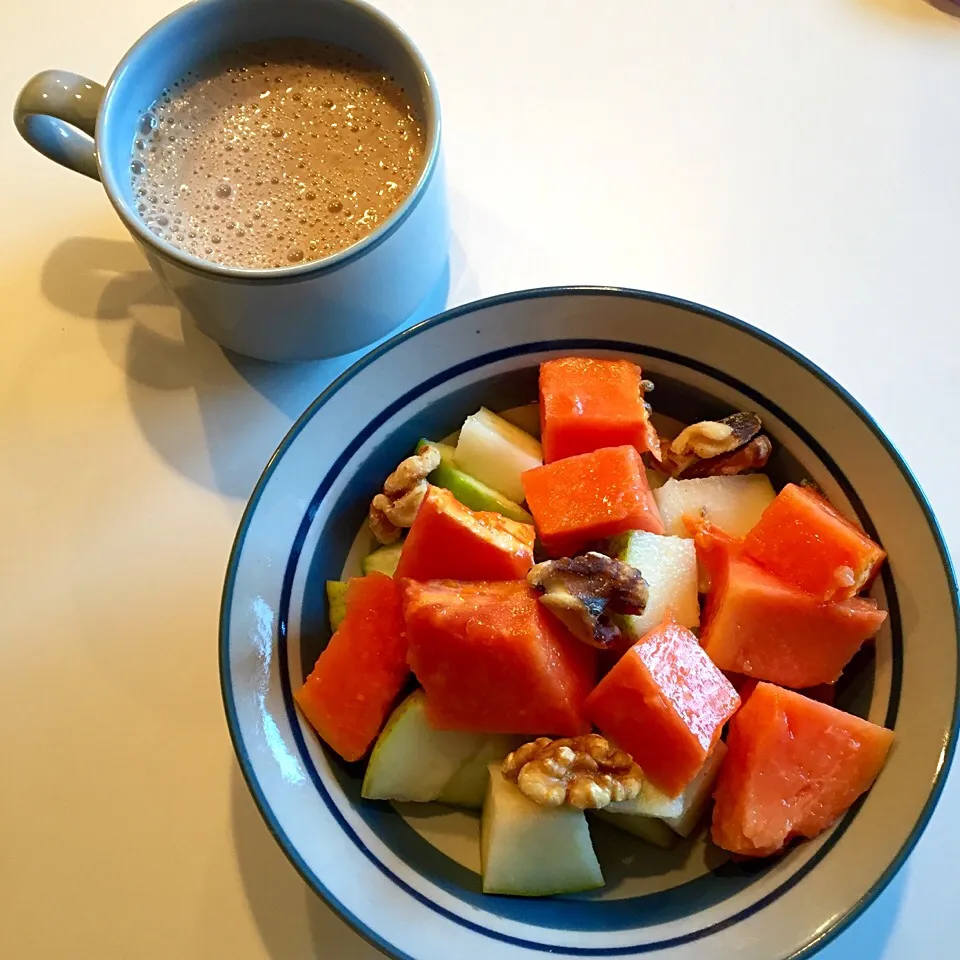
<point x="297" y="272"/>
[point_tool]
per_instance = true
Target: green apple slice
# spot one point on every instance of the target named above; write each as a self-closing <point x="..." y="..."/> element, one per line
<point x="383" y="560"/>
<point x="650" y="802"/>
<point x="669" y="565"/>
<point x="470" y="491"/>
<point x="732" y="503"/>
<point x="497" y="453"/>
<point x="468" y="786"/>
<point x="649" y="829"/>
<point x="411" y="759"/>
<point x="680" y="814"/>
<point x="527" y="850"/>
<point x="336" y="603"/>
<point x="697" y="795"/>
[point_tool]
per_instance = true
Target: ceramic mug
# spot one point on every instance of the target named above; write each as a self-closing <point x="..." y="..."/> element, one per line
<point x="320" y="309"/>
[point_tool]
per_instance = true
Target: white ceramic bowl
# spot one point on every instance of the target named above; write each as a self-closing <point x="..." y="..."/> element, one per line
<point x="406" y="878"/>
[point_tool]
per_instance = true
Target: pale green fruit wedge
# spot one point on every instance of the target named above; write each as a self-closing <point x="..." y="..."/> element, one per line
<point x="383" y="560"/>
<point x="669" y="565"/>
<point x="468" y="786"/>
<point x="649" y="829"/>
<point x="697" y="795"/>
<point x="732" y="503"/>
<point x="497" y="453"/>
<point x="527" y="418"/>
<point x="650" y="802"/>
<point x="470" y="491"/>
<point x="681" y="814"/>
<point x="336" y="603"/>
<point x="527" y="850"/>
<point x="411" y="759"/>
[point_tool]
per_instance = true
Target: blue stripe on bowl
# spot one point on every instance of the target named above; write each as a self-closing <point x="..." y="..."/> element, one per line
<point x="226" y="605"/>
<point x="564" y="913"/>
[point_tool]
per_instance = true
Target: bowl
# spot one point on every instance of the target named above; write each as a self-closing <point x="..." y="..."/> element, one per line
<point x="406" y="876"/>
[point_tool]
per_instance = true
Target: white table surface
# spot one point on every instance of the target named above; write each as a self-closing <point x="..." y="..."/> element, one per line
<point x="796" y="164"/>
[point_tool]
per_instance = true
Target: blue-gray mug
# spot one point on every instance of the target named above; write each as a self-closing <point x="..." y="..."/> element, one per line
<point x="307" y="311"/>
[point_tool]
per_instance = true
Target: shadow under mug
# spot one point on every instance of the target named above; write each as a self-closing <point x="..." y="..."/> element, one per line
<point x="308" y="311"/>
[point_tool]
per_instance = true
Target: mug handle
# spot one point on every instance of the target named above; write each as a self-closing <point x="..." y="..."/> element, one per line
<point x="56" y="113"/>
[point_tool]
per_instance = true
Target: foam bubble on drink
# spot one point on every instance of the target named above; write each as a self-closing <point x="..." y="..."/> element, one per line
<point x="278" y="154"/>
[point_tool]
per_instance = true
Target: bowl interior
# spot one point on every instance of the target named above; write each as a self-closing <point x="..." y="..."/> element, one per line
<point x="302" y="529"/>
<point x="444" y="843"/>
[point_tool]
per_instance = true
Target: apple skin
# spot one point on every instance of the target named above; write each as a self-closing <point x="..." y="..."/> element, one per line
<point x="470" y="491"/>
<point x="496" y="452"/>
<point x="411" y="759"/>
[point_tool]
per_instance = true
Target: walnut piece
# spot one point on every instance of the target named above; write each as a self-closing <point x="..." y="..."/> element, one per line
<point x="715" y="448"/>
<point x="411" y="471"/>
<point x="384" y="529"/>
<point x="653" y="440"/>
<point x="403" y="492"/>
<point x="752" y="456"/>
<point x="585" y="772"/>
<point x="712" y="438"/>
<point x="583" y="591"/>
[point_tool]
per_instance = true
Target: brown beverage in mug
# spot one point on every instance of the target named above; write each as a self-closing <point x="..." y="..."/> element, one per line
<point x="276" y="154"/>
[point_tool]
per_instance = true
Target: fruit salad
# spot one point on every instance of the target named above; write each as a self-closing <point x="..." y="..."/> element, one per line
<point x="602" y="621"/>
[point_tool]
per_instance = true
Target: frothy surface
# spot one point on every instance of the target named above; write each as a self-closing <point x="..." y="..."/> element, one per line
<point x="276" y="154"/>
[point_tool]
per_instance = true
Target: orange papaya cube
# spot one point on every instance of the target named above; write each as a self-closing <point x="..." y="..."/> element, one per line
<point x="356" y="679"/>
<point x="805" y="540"/>
<point x="665" y="703"/>
<point x="824" y="692"/>
<point x="491" y="659"/>
<point x="793" y="767"/>
<point x="759" y="625"/>
<point x="586" y="404"/>
<point x="590" y="497"/>
<point x="450" y="541"/>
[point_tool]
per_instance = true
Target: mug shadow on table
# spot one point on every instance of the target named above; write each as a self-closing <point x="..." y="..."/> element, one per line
<point x="293" y="922"/>
<point x="215" y="416"/>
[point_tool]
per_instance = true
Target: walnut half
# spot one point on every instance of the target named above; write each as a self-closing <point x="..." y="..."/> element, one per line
<point x="585" y="772"/>
<point x="716" y="448"/>
<point x="711" y="438"/>
<point x="752" y="456"/>
<point x="583" y="591"/>
<point x="403" y="491"/>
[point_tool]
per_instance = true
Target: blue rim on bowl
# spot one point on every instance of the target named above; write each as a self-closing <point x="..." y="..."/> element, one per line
<point x="280" y="612"/>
